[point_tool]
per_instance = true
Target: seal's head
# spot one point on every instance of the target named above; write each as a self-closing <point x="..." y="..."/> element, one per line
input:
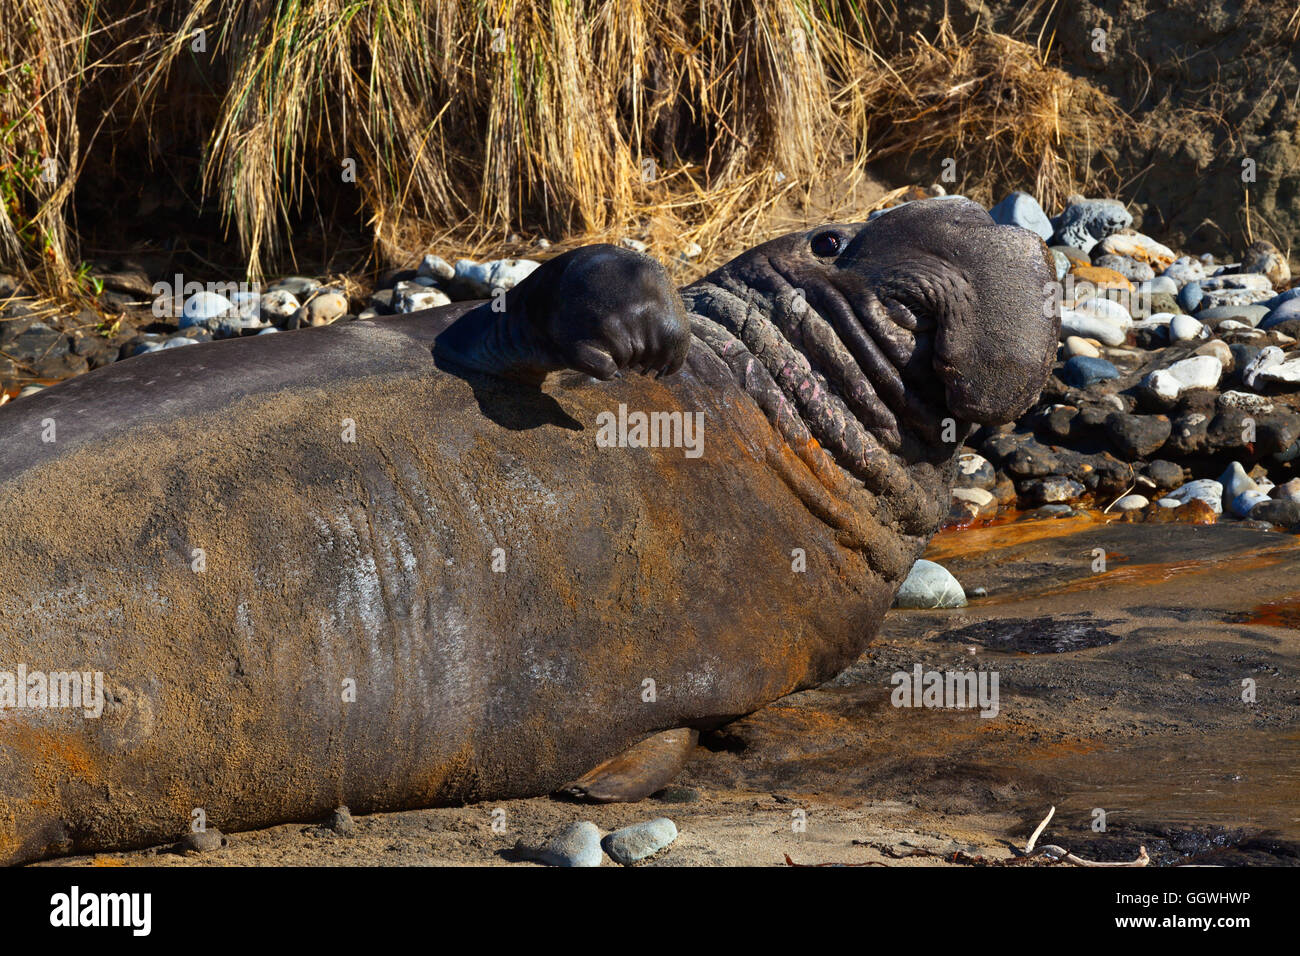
<point x="985" y="289"/>
<point x="926" y="312"/>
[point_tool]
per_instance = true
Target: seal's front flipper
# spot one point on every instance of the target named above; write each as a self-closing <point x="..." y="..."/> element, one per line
<point x="599" y="309"/>
<point x="638" y="771"/>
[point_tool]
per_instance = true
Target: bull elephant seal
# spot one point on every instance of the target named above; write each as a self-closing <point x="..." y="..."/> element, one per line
<point x="356" y="565"/>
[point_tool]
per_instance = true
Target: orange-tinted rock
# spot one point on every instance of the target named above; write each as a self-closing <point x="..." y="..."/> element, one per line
<point x="1101" y="278"/>
<point x="1139" y="248"/>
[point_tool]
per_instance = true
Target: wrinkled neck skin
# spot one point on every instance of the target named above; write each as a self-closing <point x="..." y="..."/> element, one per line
<point x="848" y="382"/>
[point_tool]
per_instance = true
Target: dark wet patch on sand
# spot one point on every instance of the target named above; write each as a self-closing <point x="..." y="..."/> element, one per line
<point x="1038" y="635"/>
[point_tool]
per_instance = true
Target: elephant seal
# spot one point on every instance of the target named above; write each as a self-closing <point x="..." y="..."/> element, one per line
<point x="396" y="564"/>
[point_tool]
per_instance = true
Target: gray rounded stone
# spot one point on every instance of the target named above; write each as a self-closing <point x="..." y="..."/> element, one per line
<point x="1021" y="209"/>
<point x="578" y="844"/>
<point x="930" y="585"/>
<point x="633" y="844"/>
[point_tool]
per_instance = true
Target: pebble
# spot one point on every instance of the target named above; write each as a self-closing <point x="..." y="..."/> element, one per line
<point x="406" y="301"/>
<point x="969" y="504"/>
<point x="1285" y="373"/>
<point x="1086" y="326"/>
<point x="1266" y="359"/>
<point x="341" y="822"/>
<point x="1054" y="489"/>
<point x="1130" y="269"/>
<point x="1021" y="209"/>
<point x="160" y="343"/>
<point x="1094" y="277"/>
<point x="578" y="844"/>
<point x="1137" y="247"/>
<point x="1160" y="285"/>
<point x="1234" y="481"/>
<point x="1131" y="503"/>
<point x="478" y="279"/>
<point x="1184" y="328"/>
<point x="1219" y="350"/>
<point x="1202" y="489"/>
<point x="1062" y="263"/>
<point x="1105" y="309"/>
<point x="203" y="307"/>
<point x="1190" y="296"/>
<point x="1246" y="401"/>
<point x="328" y="307"/>
<point x="1239" y="281"/>
<point x="1282" y="312"/>
<point x="981" y="498"/>
<point x="1244" y="504"/>
<point x="1082" y="371"/>
<point x="929" y="585"/>
<point x="1200" y="371"/>
<point x="1284" y="513"/>
<point x="633" y="844"/>
<point x="299" y="287"/>
<point x="1245" y="302"/>
<point x="1184" y="270"/>
<point x="1072" y="255"/>
<point x="1288" y="491"/>
<point x="202" y="841"/>
<point x="1266" y="258"/>
<point x="279" y="305"/>
<point x="436" y="267"/>
<point x="1137" y="436"/>
<point x="1281" y="297"/>
<point x="248" y="305"/>
<point x="974" y="471"/>
<point x="1081" y="347"/>
<point x="1087" y="221"/>
<point x="1053" y="511"/>
<point x="1291" y="453"/>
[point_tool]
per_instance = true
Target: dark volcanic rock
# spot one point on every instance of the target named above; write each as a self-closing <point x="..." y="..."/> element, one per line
<point x="1187" y="435"/>
<point x="43" y="351"/>
<point x="1055" y="489"/>
<point x="1285" y="514"/>
<point x="1164" y="474"/>
<point x="1137" y="436"/>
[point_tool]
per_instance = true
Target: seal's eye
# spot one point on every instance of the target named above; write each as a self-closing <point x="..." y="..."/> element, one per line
<point x="827" y="244"/>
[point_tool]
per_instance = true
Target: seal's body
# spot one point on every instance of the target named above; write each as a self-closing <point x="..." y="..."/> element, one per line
<point x="329" y="568"/>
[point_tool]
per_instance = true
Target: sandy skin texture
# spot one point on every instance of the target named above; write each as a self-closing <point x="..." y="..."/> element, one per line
<point x="1122" y="692"/>
<point x="325" y="570"/>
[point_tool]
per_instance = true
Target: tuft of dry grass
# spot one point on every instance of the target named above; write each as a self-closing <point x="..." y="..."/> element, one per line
<point x="459" y="124"/>
<point x="42" y="62"/>
<point x="998" y="108"/>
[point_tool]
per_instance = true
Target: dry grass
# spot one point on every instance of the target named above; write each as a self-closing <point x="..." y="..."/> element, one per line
<point x="470" y="121"/>
<point x="997" y="107"/>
